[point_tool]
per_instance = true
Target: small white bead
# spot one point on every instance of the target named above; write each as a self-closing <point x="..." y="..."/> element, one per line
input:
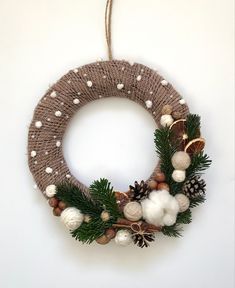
<point x="151" y="92"/>
<point x="46" y="153"/>
<point x="38" y="124"/>
<point x="120" y="86"/>
<point x="68" y="176"/>
<point x="100" y="96"/>
<point x="33" y="136"/>
<point x="76" y="101"/>
<point x="33" y="153"/>
<point x="129" y="92"/>
<point x="149" y="104"/>
<point x="54" y="136"/>
<point x="53" y="94"/>
<point x="62" y="103"/>
<point x="182" y="101"/>
<point x="69" y="81"/>
<point x="131" y="63"/>
<point x="48" y="170"/>
<point x="58" y="113"/>
<point x="142" y="70"/>
<point x="123" y="68"/>
<point x="58" y="143"/>
<point x="49" y="119"/>
<point x="75" y="70"/>
<point x="35" y="162"/>
<point x="79" y="93"/>
<point x="138" y="78"/>
<point x="89" y="83"/>
<point x="35" y="186"/>
<point x="164" y="82"/>
<point x="104" y="76"/>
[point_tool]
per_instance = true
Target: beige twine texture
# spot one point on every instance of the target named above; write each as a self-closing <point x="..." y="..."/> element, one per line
<point x="88" y="83"/>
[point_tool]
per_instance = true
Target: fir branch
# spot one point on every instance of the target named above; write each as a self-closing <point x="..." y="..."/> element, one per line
<point x="103" y="194"/>
<point x="73" y="197"/>
<point x="199" y="163"/>
<point x="194" y="202"/>
<point x="184" y="217"/>
<point x="193" y="126"/>
<point x="172" y="231"/>
<point x="88" y="232"/>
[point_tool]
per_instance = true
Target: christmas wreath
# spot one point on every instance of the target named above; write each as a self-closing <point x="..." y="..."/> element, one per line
<point x="160" y="204"/>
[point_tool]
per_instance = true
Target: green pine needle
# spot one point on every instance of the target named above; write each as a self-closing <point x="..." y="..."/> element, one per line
<point x="193" y="126"/>
<point x="184" y="217"/>
<point x="172" y="231"/>
<point x="194" y="202"/>
<point x="199" y="163"/>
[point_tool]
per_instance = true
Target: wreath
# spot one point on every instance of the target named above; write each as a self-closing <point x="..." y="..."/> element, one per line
<point x="162" y="203"/>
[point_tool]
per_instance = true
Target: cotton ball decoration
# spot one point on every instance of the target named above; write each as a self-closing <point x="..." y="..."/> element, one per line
<point x="133" y="211"/>
<point x="178" y="175"/>
<point x="183" y="202"/>
<point x="166" y="120"/>
<point x="72" y="218"/>
<point x="123" y="237"/>
<point x="50" y="190"/>
<point x="181" y="160"/>
<point x="160" y="208"/>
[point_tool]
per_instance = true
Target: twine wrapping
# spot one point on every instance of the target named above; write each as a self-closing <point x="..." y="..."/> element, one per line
<point x="86" y="84"/>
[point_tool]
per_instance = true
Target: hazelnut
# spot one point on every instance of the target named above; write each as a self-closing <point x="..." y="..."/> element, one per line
<point x="110" y="233"/>
<point x="53" y="202"/>
<point x="57" y="211"/>
<point x="152" y="184"/>
<point x="62" y="205"/>
<point x="163" y="186"/>
<point x="160" y="177"/>
<point x="176" y="115"/>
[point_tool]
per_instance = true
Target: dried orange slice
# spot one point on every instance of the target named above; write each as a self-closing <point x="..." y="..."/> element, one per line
<point x="178" y="133"/>
<point x="195" y="146"/>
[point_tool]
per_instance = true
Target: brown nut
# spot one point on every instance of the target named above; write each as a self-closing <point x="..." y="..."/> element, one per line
<point x="163" y="186"/>
<point x="53" y="202"/>
<point x="152" y="184"/>
<point x="160" y="177"/>
<point x="103" y="240"/>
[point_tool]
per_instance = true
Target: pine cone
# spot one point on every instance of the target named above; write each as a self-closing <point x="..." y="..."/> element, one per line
<point x="142" y="240"/>
<point x="140" y="191"/>
<point x="194" y="187"/>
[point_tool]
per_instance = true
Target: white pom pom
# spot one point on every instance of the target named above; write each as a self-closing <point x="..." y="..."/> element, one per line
<point x="183" y="202"/>
<point x="181" y="160"/>
<point x="166" y="120"/>
<point x="182" y="101"/>
<point x="164" y="82"/>
<point x="33" y="153"/>
<point x="120" y="86"/>
<point x="139" y="77"/>
<point x="53" y="94"/>
<point x="72" y="218"/>
<point x="123" y="237"/>
<point x="48" y="170"/>
<point x="89" y="83"/>
<point x="38" y="124"/>
<point x="58" y="113"/>
<point x="178" y="175"/>
<point x="50" y="190"/>
<point x="160" y="209"/>
<point x="132" y="211"/>
<point x="149" y="104"/>
<point x="76" y="101"/>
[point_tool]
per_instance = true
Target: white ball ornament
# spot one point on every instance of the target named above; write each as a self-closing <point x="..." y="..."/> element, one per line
<point x="183" y="202"/>
<point x="149" y="104"/>
<point x="133" y="211"/>
<point x="166" y="120"/>
<point x="50" y="190"/>
<point x="181" y="160"/>
<point x="123" y="237"/>
<point x="179" y="175"/>
<point x="72" y="218"/>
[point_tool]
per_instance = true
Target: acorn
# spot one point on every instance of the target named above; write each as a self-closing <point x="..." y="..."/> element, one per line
<point x="102" y="240"/>
<point x="160" y="177"/>
<point x="177" y="115"/>
<point x="57" y="211"/>
<point x="53" y="202"/>
<point x="163" y="186"/>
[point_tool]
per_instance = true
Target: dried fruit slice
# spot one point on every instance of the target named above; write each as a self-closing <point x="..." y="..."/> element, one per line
<point x="122" y="199"/>
<point x="178" y="133"/>
<point x="195" y="146"/>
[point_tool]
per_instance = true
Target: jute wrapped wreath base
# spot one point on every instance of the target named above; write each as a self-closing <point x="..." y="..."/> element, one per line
<point x="160" y="204"/>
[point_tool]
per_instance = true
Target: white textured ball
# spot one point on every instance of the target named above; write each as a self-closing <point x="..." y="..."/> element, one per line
<point x="181" y="160"/>
<point x="120" y="86"/>
<point x="33" y="153"/>
<point x="72" y="218"/>
<point x="50" y="190"/>
<point x="183" y="201"/>
<point x="133" y="211"/>
<point x="160" y="208"/>
<point x="149" y="104"/>
<point x="38" y="124"/>
<point x="178" y="175"/>
<point x="164" y="82"/>
<point x="182" y="102"/>
<point x="53" y="94"/>
<point x="48" y="170"/>
<point x="166" y="120"/>
<point x="139" y="77"/>
<point x="89" y="83"/>
<point x="123" y="237"/>
<point x="76" y="101"/>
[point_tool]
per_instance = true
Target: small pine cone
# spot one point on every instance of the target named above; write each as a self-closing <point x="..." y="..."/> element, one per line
<point x="194" y="187"/>
<point x="140" y="191"/>
<point x="143" y="240"/>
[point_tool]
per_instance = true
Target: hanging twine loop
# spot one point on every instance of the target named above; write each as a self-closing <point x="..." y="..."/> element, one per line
<point x="108" y="19"/>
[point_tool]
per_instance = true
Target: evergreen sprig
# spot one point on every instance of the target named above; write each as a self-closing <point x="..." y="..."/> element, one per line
<point x="199" y="163"/>
<point x="184" y="217"/>
<point x="172" y="231"/>
<point x="193" y="125"/>
<point x="194" y="202"/>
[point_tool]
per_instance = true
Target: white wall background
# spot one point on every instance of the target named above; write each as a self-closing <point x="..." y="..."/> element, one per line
<point x="191" y="44"/>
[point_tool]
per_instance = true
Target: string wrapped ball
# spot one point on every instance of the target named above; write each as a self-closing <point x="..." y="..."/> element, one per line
<point x="50" y="190"/>
<point x="183" y="202"/>
<point x="133" y="211"/>
<point x="181" y="160"/>
<point x="72" y="218"/>
<point x="178" y="175"/>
